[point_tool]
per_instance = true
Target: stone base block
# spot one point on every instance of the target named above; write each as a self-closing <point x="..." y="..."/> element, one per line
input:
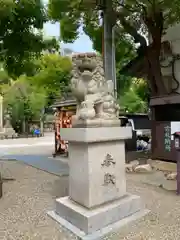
<point x="94" y="123"/>
<point x="8" y="132"/>
<point x="97" y="222"/>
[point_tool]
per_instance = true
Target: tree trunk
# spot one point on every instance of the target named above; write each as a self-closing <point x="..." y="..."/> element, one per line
<point x="155" y="24"/>
<point x="154" y="71"/>
<point x="24" y="126"/>
<point x="42" y="127"/>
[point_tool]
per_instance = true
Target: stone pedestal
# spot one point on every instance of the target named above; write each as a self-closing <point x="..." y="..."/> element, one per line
<point x="97" y="202"/>
<point x="8" y="133"/>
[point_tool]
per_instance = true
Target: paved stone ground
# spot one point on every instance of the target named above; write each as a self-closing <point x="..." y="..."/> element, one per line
<point x="27" y="199"/>
<point x="39" y="146"/>
<point x="36" y="152"/>
<point x="51" y="165"/>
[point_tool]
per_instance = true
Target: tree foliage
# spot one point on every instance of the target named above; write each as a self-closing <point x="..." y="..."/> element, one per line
<point x="24" y="101"/>
<point x="134" y="17"/>
<point x="132" y="103"/>
<point x="51" y="45"/>
<point x="125" y="52"/>
<point x="135" y="99"/>
<point x="27" y="96"/>
<point x="141" y="88"/>
<point x="53" y="74"/>
<point x="19" y="40"/>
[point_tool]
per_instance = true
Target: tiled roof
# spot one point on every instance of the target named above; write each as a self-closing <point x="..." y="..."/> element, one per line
<point x="66" y="100"/>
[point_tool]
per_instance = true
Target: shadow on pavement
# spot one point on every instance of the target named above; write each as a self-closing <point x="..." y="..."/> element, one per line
<point x="44" y="163"/>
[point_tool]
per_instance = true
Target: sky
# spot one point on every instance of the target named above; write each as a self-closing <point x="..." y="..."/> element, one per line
<point x="83" y="44"/>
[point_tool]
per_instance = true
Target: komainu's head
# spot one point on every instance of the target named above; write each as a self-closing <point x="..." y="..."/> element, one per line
<point x="86" y="62"/>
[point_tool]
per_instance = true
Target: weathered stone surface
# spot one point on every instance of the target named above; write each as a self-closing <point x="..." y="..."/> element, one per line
<point x="149" y="161"/>
<point x="89" y="166"/>
<point x="97" y="183"/>
<point x="156" y="179"/>
<point x="130" y="167"/>
<point x="94" y="94"/>
<point x="162" y="166"/>
<point x="169" y="185"/>
<point x="92" y="220"/>
<point x="171" y="176"/>
<point x="143" y="168"/>
<point x="8" y="133"/>
<point x="134" y="163"/>
<point x="98" y="198"/>
<point x="159" y="180"/>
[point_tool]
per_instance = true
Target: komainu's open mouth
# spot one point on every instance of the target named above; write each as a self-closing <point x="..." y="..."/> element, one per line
<point x="85" y="62"/>
<point x="87" y="65"/>
<point x="85" y="68"/>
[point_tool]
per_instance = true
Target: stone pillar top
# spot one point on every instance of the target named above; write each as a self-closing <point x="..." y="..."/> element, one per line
<point x="90" y="135"/>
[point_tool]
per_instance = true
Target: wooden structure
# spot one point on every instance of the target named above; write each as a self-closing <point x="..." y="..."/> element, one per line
<point x="162" y="142"/>
<point x="65" y="108"/>
<point x="164" y="110"/>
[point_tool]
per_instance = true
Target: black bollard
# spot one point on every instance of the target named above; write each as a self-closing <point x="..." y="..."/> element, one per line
<point x="178" y="170"/>
<point x="1" y="186"/>
<point x="177" y="147"/>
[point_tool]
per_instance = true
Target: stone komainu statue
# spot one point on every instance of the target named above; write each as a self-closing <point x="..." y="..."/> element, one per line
<point x="96" y="104"/>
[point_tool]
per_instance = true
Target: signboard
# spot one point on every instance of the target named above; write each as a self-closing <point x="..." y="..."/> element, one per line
<point x="167" y="138"/>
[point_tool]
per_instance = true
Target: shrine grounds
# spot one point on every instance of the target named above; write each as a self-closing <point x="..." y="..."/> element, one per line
<point x="27" y="199"/>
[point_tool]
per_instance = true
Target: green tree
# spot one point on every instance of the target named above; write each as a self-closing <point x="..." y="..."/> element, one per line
<point x="24" y="102"/>
<point x="134" y="17"/>
<point x="141" y="88"/>
<point x="4" y="77"/>
<point x="125" y="48"/>
<point x="53" y="74"/>
<point x="51" y="45"/>
<point x="19" y="40"/>
<point x="125" y="52"/>
<point x="28" y="66"/>
<point x="26" y="96"/>
<point x="136" y="98"/>
<point x="132" y="103"/>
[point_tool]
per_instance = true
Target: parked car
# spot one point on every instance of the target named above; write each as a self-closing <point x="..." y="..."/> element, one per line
<point x="140" y="123"/>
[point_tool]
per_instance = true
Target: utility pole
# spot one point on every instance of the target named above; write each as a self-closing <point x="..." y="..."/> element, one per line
<point x="114" y="62"/>
<point x="107" y="30"/>
<point x="109" y="44"/>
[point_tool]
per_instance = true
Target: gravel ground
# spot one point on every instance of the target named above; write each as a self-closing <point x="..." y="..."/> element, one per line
<point x="27" y="199"/>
